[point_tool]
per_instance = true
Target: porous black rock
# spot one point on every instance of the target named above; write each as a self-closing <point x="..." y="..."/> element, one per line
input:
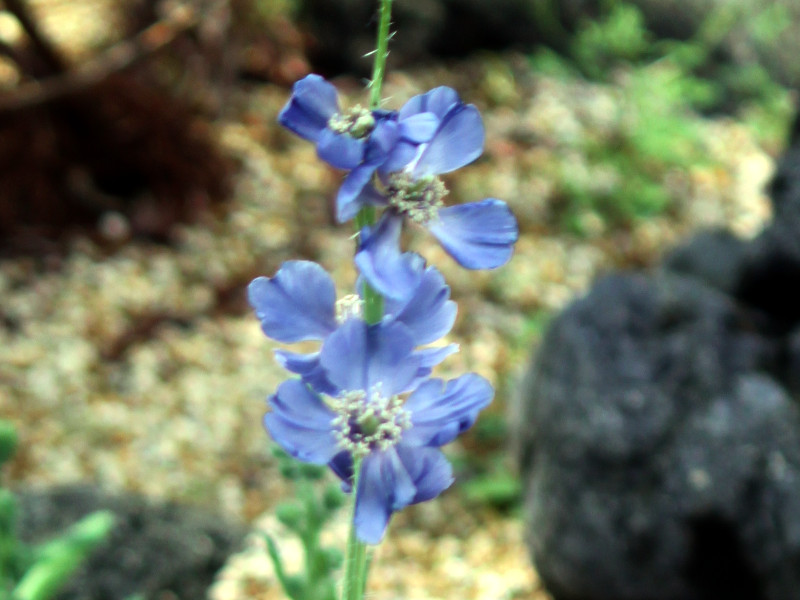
<point x="155" y="549"/>
<point x="659" y="424"/>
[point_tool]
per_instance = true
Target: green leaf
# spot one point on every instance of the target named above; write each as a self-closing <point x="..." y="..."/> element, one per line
<point x="58" y="559"/>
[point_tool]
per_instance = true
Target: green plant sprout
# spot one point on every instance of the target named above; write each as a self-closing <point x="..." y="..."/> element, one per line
<point x="38" y="572"/>
<point x="306" y="516"/>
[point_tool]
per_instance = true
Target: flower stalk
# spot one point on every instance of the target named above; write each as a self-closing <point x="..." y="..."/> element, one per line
<point x="365" y="403"/>
<point x="356" y="554"/>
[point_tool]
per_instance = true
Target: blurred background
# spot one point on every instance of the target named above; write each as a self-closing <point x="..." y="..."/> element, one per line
<point x="144" y="182"/>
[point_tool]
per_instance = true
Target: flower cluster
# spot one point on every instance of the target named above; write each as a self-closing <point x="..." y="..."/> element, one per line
<point x="366" y="396"/>
<point x="432" y="134"/>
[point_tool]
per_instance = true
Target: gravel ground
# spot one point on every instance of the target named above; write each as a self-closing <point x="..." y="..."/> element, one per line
<point x="144" y="371"/>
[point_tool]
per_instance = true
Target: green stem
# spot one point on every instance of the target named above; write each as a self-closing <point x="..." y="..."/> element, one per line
<point x="381" y="52"/>
<point x="373" y="301"/>
<point x="356" y="565"/>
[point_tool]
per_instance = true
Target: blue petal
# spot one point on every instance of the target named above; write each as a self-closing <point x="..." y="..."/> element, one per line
<point x="313" y="103"/>
<point x="340" y="150"/>
<point x="298" y="303"/>
<point x="344" y="356"/>
<point x="388" y="271"/>
<point x="438" y="101"/>
<point x="402" y="154"/>
<point x="430" y="357"/>
<point x="358" y="356"/>
<point x="342" y="466"/>
<point x="384" y="486"/>
<point x="429" y="469"/>
<point x="301" y="423"/>
<point x="457" y="142"/>
<point x="439" y="413"/>
<point x="391" y="360"/>
<point x="309" y="368"/>
<point x="354" y="193"/>
<point x="428" y="313"/>
<point x="419" y="128"/>
<point x="381" y="141"/>
<point x="479" y="235"/>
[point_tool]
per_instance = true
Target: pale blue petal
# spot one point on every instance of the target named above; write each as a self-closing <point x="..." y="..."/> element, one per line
<point x="358" y="357"/>
<point x="344" y="356"/>
<point x="355" y="193"/>
<point x="388" y="271"/>
<point x="297" y="304"/>
<point x="430" y="357"/>
<point x="340" y="150"/>
<point x="479" y="235"/>
<point x="309" y="368"/>
<point x="384" y="486"/>
<point x="419" y="128"/>
<point x="439" y="413"/>
<point x="428" y="313"/>
<point x="300" y="423"/>
<point x="381" y="141"/>
<point x="428" y="468"/>
<point x="457" y="142"/>
<point x="438" y="101"/>
<point x="391" y="362"/>
<point x="402" y="154"/>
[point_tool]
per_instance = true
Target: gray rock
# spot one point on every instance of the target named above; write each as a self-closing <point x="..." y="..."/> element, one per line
<point x="661" y="452"/>
<point x="714" y="257"/>
<point x="772" y="261"/>
<point x="158" y="550"/>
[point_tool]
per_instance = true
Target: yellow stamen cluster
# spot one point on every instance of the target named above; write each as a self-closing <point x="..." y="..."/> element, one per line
<point x="418" y="199"/>
<point x="357" y="122"/>
<point x="367" y="421"/>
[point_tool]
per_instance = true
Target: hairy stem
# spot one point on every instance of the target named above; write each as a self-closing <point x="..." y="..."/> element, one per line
<point x="381" y="53"/>
<point x="356" y="564"/>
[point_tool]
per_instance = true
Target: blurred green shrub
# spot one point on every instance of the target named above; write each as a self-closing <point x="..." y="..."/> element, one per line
<point x="665" y="87"/>
<point x="306" y="515"/>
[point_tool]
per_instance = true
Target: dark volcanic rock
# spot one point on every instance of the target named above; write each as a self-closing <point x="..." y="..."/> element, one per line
<point x="714" y="257"/>
<point x="660" y="455"/>
<point x="156" y="550"/>
<point x="773" y="260"/>
<point x="660" y="429"/>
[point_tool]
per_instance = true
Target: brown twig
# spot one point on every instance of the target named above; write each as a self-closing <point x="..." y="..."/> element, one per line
<point x="45" y="50"/>
<point x="115" y="59"/>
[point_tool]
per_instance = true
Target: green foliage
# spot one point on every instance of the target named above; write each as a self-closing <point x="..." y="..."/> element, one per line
<point x="488" y="480"/>
<point x="620" y="37"/>
<point x="306" y="516"/>
<point x="55" y="561"/>
<point x="663" y="88"/>
<point x="38" y="572"/>
<point x="499" y="488"/>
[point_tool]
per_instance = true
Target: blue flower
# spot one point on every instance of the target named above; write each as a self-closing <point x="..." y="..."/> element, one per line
<point x="371" y="368"/>
<point x="299" y="304"/>
<point x="478" y="235"/>
<point x="358" y="140"/>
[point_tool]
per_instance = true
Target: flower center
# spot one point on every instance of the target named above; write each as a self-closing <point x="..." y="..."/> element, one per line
<point x="347" y="307"/>
<point x="418" y="199"/>
<point x="368" y="420"/>
<point x="357" y="122"/>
